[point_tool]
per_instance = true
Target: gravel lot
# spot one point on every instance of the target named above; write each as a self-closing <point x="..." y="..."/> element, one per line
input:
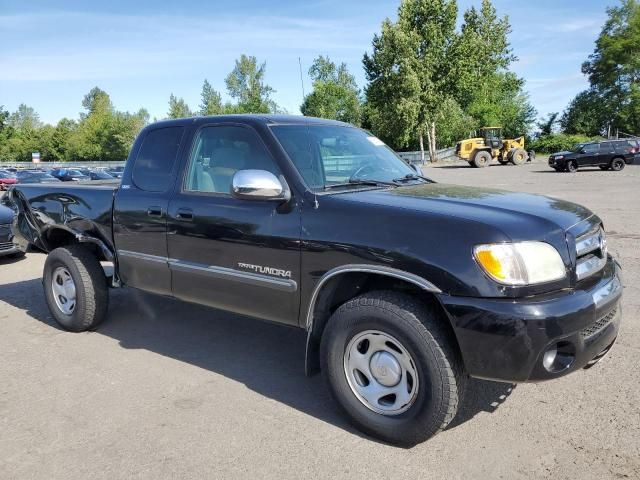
<point x="170" y="390"/>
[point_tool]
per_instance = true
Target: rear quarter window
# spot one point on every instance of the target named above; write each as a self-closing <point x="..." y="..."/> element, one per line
<point x="156" y="159"/>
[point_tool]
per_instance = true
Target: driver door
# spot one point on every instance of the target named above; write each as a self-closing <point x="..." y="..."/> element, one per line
<point x="589" y="155"/>
<point x="234" y="254"/>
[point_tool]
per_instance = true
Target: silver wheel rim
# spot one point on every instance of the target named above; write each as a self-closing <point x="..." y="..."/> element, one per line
<point x="381" y="372"/>
<point x="63" y="290"/>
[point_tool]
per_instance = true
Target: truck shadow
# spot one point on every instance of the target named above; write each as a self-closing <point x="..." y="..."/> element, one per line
<point x="267" y="358"/>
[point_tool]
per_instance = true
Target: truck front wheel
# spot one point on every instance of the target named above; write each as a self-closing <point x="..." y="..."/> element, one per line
<point x="391" y="367"/>
<point x="75" y="288"/>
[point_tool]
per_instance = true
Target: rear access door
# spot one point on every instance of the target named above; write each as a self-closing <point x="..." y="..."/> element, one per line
<point x="140" y="209"/>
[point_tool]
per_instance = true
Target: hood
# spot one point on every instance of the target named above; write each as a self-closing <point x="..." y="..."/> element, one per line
<point x="6" y="215"/>
<point x="521" y="216"/>
<point x="564" y="153"/>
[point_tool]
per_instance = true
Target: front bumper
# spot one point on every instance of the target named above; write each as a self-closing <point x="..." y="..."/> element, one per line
<point x="7" y="244"/>
<point x="506" y="339"/>
<point x="559" y="163"/>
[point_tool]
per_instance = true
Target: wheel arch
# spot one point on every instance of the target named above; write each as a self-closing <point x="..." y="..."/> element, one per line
<point x="341" y="284"/>
<point x="58" y="236"/>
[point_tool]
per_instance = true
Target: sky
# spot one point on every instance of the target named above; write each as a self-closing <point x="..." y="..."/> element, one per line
<point x="53" y="52"/>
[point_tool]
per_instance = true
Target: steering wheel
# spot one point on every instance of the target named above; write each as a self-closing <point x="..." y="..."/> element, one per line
<point x="360" y="170"/>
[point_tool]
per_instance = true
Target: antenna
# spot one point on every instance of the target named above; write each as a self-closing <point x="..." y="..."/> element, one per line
<point x="301" y="80"/>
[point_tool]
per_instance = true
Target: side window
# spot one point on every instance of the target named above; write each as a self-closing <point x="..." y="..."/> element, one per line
<point x="219" y="152"/>
<point x="591" y="148"/>
<point x="606" y="147"/>
<point x="154" y="163"/>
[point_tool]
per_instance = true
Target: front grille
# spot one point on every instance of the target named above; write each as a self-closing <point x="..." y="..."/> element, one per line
<point x="591" y="253"/>
<point x="598" y="326"/>
<point x="5" y="231"/>
<point x="6" y="246"/>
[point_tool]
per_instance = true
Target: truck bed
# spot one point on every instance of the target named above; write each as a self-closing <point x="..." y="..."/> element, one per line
<point x="76" y="209"/>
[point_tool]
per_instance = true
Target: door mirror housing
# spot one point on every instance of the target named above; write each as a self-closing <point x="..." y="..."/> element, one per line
<point x="259" y="185"/>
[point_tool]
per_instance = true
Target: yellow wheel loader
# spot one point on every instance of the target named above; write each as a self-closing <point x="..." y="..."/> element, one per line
<point x="480" y="151"/>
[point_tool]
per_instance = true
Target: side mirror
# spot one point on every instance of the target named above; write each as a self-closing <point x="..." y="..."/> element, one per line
<point x="258" y="185"/>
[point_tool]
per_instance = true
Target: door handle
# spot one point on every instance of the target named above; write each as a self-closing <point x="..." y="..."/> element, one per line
<point x="154" y="211"/>
<point x="185" y="214"/>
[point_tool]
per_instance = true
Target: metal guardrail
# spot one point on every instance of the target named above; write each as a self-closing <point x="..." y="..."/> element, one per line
<point x="337" y="163"/>
<point x="444" y="155"/>
<point x="93" y="164"/>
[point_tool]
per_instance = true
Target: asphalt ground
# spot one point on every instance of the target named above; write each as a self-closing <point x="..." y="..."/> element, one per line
<point x="169" y="390"/>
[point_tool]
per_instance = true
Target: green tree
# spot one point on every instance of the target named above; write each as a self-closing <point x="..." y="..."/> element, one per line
<point x="547" y="124"/>
<point x="178" y="108"/>
<point x="25" y="119"/>
<point x="409" y="72"/>
<point x="59" y="147"/>
<point x="246" y="85"/>
<point x="484" y="86"/>
<point x="211" y="103"/>
<point x="587" y="114"/>
<point x="613" y="70"/>
<point x="335" y="93"/>
<point x="479" y="52"/>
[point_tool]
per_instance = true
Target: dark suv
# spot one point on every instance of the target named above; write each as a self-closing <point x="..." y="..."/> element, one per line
<point x="607" y="154"/>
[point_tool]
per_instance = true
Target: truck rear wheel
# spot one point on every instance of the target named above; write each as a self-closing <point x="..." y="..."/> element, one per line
<point x="391" y="367"/>
<point x="75" y="288"/>
<point x="481" y="159"/>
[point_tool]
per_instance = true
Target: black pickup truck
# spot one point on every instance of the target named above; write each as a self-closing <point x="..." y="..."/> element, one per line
<point x="405" y="287"/>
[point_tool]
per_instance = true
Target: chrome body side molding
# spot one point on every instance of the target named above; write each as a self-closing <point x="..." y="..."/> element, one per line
<point x="224" y="273"/>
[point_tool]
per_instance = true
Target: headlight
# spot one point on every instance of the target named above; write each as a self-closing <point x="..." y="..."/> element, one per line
<point x="522" y="263"/>
<point x="558" y="157"/>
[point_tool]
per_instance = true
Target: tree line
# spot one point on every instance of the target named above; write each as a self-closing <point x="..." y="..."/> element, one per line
<point x="428" y="84"/>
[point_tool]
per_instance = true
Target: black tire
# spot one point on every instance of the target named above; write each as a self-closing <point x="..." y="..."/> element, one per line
<point x="571" y="166"/>
<point x="481" y="159"/>
<point x="617" y="164"/>
<point x="432" y="351"/>
<point x="91" y="289"/>
<point x="518" y="156"/>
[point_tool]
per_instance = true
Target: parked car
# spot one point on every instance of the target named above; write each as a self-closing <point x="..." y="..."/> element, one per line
<point x="115" y="171"/>
<point x="7" y="246"/>
<point x="96" y="174"/>
<point x="405" y="287"/>
<point x="69" y="175"/>
<point x="35" y="176"/>
<point x="608" y="154"/>
<point x="7" y="179"/>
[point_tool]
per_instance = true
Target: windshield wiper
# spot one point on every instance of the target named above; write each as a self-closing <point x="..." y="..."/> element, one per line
<point x="412" y="176"/>
<point x="373" y="183"/>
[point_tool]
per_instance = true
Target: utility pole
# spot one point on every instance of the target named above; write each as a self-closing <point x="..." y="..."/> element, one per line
<point x="301" y="80"/>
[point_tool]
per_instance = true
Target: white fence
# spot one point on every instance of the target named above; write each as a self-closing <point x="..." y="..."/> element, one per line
<point x="444" y="155"/>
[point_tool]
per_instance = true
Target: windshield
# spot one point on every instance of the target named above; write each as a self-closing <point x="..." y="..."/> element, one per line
<point x="327" y="155"/>
<point x="578" y="147"/>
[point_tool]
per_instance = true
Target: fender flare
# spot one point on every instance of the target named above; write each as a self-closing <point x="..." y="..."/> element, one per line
<point x="83" y="238"/>
<point x="417" y="280"/>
